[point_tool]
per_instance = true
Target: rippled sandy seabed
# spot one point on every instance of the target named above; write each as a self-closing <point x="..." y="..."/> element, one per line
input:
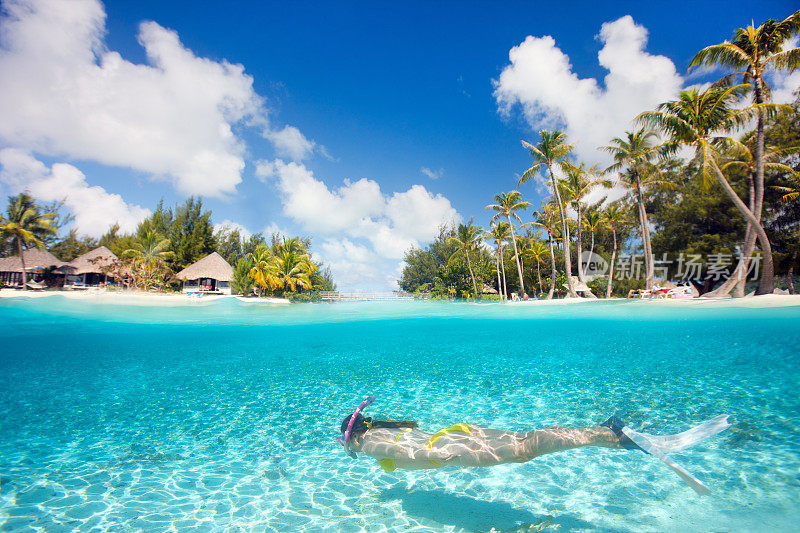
<point x="224" y="415"/>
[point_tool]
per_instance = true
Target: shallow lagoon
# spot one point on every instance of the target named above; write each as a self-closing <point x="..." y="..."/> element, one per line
<point x="225" y="414"/>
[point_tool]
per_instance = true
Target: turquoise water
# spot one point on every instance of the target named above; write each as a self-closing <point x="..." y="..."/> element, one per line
<point x="225" y="415"/>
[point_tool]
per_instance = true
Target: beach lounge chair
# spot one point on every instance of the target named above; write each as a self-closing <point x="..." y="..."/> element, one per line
<point x="35" y="286"/>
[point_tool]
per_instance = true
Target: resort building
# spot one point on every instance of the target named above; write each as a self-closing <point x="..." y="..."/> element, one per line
<point x="91" y="268"/>
<point x="211" y="274"/>
<point x="36" y="262"/>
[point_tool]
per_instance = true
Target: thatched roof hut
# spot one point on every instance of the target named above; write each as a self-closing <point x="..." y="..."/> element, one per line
<point x="487" y="289"/>
<point x="211" y="266"/>
<point x="35" y="261"/>
<point x="91" y="262"/>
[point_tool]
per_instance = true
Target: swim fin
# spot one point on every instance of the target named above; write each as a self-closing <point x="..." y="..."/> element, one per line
<point x="656" y="445"/>
<point x="616" y="425"/>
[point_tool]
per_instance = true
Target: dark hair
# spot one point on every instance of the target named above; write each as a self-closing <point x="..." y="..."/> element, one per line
<point x="360" y="424"/>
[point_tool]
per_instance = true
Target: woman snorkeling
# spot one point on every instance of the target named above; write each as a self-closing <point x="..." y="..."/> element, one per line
<point x="400" y="444"/>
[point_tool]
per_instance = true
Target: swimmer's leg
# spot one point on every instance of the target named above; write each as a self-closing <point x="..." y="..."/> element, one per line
<point x="559" y="439"/>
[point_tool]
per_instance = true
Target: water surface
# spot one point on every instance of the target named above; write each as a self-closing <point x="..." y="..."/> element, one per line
<point x="225" y="414"/>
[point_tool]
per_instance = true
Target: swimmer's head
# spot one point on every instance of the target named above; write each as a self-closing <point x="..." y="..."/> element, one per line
<point x="362" y="423"/>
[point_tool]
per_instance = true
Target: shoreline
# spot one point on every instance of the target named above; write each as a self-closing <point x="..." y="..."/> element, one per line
<point x="138" y="298"/>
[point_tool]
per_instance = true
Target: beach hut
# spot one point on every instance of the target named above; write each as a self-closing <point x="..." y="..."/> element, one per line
<point x="36" y="262"/>
<point x="90" y="268"/>
<point x="211" y="274"/>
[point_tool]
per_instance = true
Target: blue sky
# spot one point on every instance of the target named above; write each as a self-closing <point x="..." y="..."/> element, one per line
<point x="273" y="112"/>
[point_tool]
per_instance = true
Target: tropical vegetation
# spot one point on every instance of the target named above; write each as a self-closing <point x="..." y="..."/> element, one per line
<point x="167" y="241"/>
<point x="721" y="218"/>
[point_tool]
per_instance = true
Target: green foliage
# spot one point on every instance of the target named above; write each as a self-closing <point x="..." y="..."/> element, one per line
<point x="322" y="279"/>
<point x="304" y="296"/>
<point x="440" y="270"/>
<point x="191" y="233"/>
<point x="25" y="225"/>
<point x="242" y="282"/>
<point x="72" y="246"/>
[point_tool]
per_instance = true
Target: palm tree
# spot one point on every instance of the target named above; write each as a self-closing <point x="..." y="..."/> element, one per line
<point x="744" y="161"/>
<point x="792" y="189"/>
<point x="498" y="235"/>
<point x="537" y="252"/>
<point x="791" y="193"/>
<point x="523" y="250"/>
<point x="290" y="269"/>
<point x="466" y="239"/>
<point x="553" y="151"/>
<point x="507" y="205"/>
<point x="25" y="226"/>
<point x="592" y="223"/>
<point x="262" y="265"/>
<point x="633" y="155"/>
<point x="750" y="54"/>
<point x="615" y="218"/>
<point x="700" y="120"/>
<point x="545" y="219"/>
<point x="577" y="183"/>
<point x="150" y="253"/>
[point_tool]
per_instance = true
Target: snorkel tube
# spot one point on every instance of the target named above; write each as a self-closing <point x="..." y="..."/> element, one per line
<point x="346" y="437"/>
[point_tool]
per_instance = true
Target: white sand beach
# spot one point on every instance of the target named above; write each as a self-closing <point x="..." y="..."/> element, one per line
<point x="140" y="298"/>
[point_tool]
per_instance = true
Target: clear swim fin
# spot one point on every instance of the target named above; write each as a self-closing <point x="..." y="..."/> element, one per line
<point x="681" y="441"/>
<point x="656" y="446"/>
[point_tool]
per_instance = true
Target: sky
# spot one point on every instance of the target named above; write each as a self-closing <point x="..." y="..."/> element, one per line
<point x="365" y="126"/>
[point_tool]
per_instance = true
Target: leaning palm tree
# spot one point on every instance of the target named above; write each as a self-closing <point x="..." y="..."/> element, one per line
<point x="466" y="239"/>
<point x="700" y="120"/>
<point x="24" y="226"/>
<point x="744" y="161"/>
<point x="634" y="157"/>
<point x="499" y="234"/>
<point x="577" y="183"/>
<point x="614" y="217"/>
<point x="507" y="205"/>
<point x="752" y="52"/>
<point x="552" y="151"/>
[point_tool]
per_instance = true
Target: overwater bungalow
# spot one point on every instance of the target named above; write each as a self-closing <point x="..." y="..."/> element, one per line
<point x="91" y="268"/>
<point x="211" y="274"/>
<point x="36" y="262"/>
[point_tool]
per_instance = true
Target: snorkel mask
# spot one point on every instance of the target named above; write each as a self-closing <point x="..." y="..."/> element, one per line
<point x="343" y="439"/>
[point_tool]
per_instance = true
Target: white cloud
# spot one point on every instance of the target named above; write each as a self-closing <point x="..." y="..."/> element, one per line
<point x="432" y="174"/>
<point x="358" y="218"/>
<point x="289" y="142"/>
<point x="784" y="84"/>
<point x="230" y="225"/>
<point x="356" y="266"/>
<point x="540" y="79"/>
<point x="94" y="208"/>
<point x="65" y="94"/>
<point x="320" y="210"/>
